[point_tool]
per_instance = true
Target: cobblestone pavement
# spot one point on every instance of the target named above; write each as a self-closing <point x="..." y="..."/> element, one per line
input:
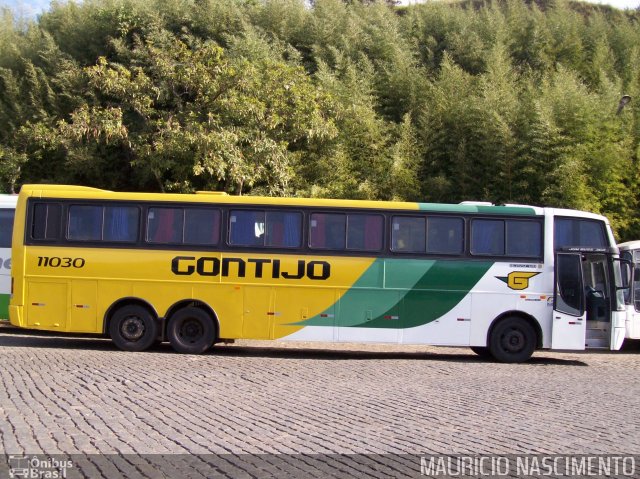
<point x="82" y="396"/>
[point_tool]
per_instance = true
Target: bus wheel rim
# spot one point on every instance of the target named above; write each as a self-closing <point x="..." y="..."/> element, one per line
<point x="191" y="330"/>
<point x="513" y="341"/>
<point x="132" y="328"/>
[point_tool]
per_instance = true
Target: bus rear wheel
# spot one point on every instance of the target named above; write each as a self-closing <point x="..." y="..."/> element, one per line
<point x="133" y="328"/>
<point x="512" y="340"/>
<point x="191" y="330"/>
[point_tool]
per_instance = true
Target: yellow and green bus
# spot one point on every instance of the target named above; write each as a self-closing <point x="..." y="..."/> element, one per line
<point x="196" y="269"/>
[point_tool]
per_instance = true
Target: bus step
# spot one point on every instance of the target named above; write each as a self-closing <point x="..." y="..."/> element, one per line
<point x="597" y="337"/>
<point x="597" y="343"/>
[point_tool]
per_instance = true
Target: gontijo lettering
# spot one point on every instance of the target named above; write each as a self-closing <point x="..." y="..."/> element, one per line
<point x="254" y="267"/>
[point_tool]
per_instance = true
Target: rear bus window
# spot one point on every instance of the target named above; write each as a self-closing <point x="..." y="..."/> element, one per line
<point x="46" y="221"/>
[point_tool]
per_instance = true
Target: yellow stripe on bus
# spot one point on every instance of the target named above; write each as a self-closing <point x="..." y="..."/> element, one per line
<point x="234" y="285"/>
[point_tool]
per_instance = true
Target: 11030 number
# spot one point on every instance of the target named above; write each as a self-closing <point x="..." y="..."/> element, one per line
<point x="57" y="262"/>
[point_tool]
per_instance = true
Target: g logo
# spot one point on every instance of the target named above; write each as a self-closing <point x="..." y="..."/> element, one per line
<point x="518" y="279"/>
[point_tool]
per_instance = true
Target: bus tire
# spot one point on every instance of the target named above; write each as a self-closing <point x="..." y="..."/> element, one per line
<point x="191" y="331"/>
<point x="481" y="351"/>
<point x="133" y="328"/>
<point x="512" y="340"/>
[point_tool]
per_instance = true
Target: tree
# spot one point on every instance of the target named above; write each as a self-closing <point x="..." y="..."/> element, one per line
<point x="183" y="115"/>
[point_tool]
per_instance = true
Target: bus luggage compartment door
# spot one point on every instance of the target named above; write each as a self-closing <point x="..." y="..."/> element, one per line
<point x="569" y="326"/>
<point x="259" y="311"/>
<point x="84" y="298"/>
<point x="46" y="305"/>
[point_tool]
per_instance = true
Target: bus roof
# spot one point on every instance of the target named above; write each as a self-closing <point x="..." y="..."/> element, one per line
<point x="629" y="245"/>
<point x="8" y="201"/>
<point x="81" y="192"/>
<point x="87" y="193"/>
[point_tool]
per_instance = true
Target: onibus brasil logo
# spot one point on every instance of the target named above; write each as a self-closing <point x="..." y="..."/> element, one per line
<point x="35" y="467"/>
<point x="518" y="279"/>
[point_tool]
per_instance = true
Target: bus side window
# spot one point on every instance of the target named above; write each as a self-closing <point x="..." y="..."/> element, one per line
<point x="246" y="228"/>
<point x="408" y="234"/>
<point x="283" y="229"/>
<point x="327" y="231"/>
<point x="121" y="223"/>
<point x="164" y="225"/>
<point x="524" y="238"/>
<point x="487" y="237"/>
<point x="445" y="235"/>
<point x="201" y="226"/>
<point x="46" y="221"/>
<point x="6" y="227"/>
<point x="85" y="223"/>
<point x="364" y="232"/>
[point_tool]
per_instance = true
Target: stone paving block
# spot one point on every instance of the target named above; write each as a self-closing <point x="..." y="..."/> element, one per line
<point x="68" y="396"/>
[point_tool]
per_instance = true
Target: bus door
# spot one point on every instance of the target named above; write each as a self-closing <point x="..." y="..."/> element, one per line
<point x="598" y="299"/>
<point x="569" y="316"/>
<point x="634" y="294"/>
<point x="632" y="299"/>
<point x="620" y="287"/>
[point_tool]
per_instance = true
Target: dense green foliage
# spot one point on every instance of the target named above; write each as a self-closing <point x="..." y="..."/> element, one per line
<point x="500" y="101"/>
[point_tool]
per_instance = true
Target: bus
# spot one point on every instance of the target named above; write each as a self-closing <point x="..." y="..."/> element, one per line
<point x="204" y="268"/>
<point x="7" y="210"/>
<point x="631" y="252"/>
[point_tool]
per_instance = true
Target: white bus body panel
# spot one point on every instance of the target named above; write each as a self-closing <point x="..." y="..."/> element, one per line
<point x="568" y="332"/>
<point x="6" y="202"/>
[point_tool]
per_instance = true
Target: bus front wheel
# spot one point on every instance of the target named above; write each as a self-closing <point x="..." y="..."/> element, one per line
<point x="191" y="330"/>
<point x="133" y="328"/>
<point x="512" y="340"/>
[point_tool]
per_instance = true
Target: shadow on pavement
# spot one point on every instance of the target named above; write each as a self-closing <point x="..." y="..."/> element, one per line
<point x="630" y="346"/>
<point x="15" y="337"/>
<point x="431" y="355"/>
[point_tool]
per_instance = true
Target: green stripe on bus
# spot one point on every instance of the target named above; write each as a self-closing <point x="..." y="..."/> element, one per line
<point x="488" y="210"/>
<point x="507" y="210"/>
<point x="366" y="295"/>
<point x="439" y="291"/>
<point x="4" y="306"/>
<point x="420" y="290"/>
